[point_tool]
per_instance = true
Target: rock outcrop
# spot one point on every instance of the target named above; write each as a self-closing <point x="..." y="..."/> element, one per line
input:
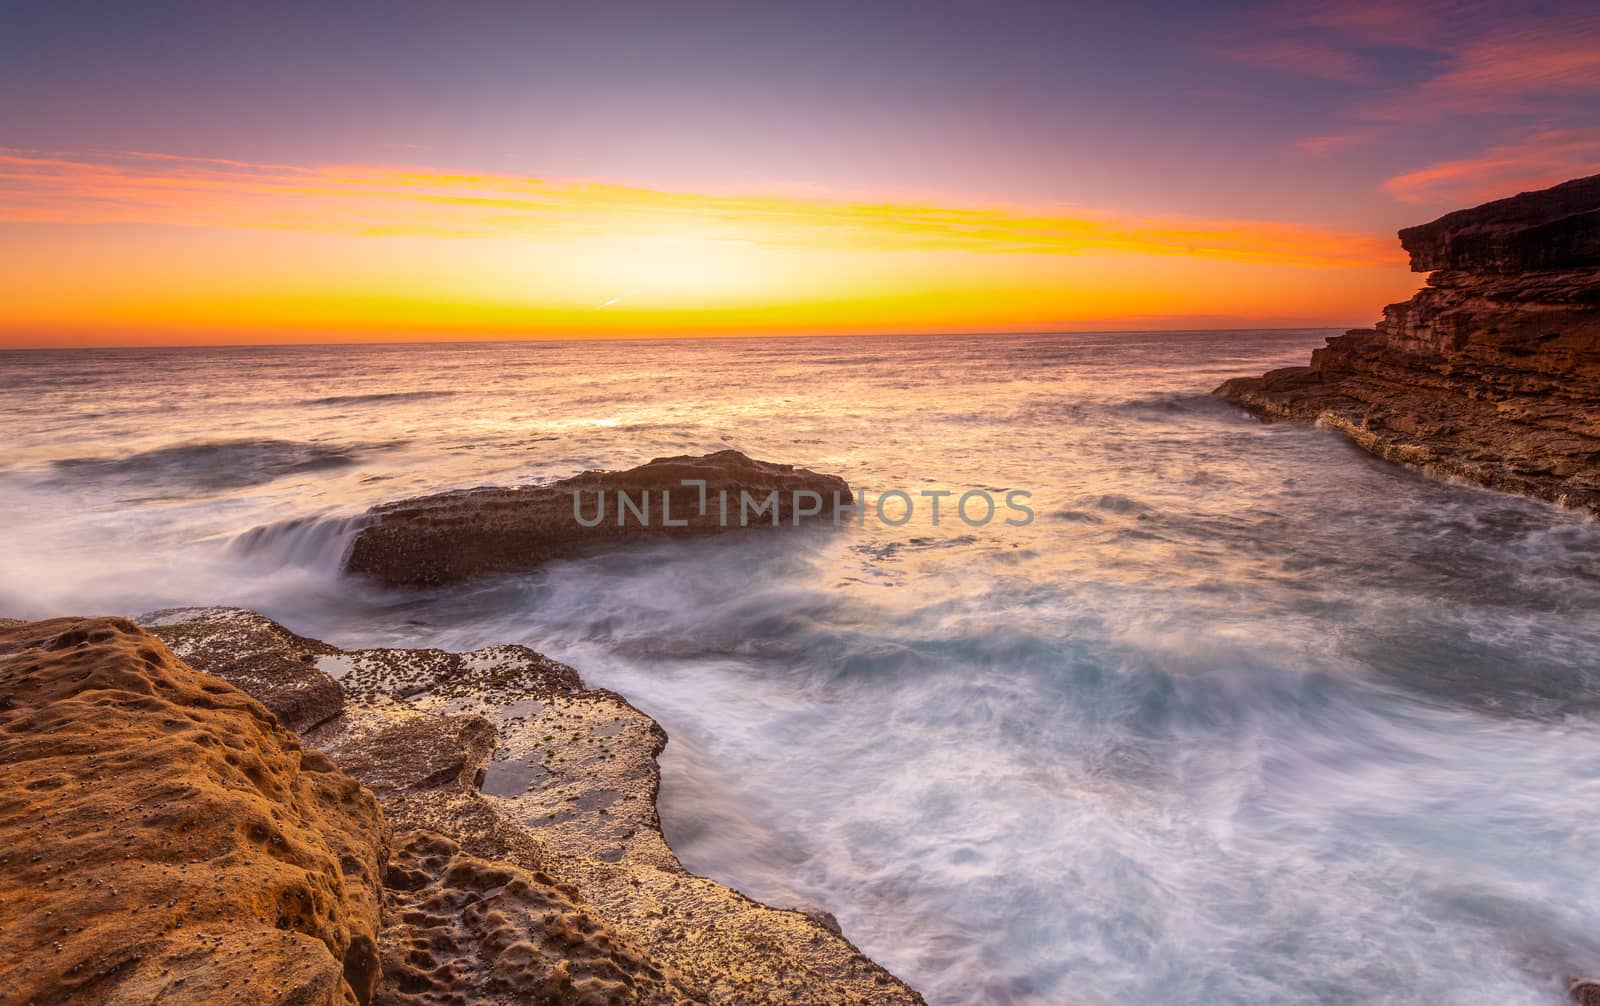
<point x="456" y="536"/>
<point x="164" y="838"/>
<point x="517" y="794"/>
<point x="1491" y="373"/>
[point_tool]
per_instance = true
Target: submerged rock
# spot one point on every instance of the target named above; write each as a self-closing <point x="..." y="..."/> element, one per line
<point x="456" y="536"/>
<point x="164" y="838"/>
<point x="514" y="788"/>
<point x="1491" y="373"/>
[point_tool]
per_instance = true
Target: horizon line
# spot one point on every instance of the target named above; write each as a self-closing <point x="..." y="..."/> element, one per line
<point x="720" y="337"/>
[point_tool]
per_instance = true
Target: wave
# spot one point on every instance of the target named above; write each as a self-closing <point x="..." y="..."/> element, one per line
<point x="217" y="465"/>
<point x="317" y="543"/>
<point x="394" y="396"/>
<point x="1165" y="407"/>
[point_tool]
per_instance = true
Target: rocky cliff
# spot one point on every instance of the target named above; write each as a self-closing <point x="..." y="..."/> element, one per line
<point x="1491" y="373"/>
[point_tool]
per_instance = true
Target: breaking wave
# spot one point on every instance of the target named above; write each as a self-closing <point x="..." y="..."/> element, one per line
<point x="314" y="543"/>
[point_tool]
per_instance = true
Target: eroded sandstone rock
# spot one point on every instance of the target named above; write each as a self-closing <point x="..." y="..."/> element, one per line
<point x="505" y="757"/>
<point x="463" y="929"/>
<point x="164" y="839"/>
<point x="1491" y="373"/>
<point x="456" y="536"/>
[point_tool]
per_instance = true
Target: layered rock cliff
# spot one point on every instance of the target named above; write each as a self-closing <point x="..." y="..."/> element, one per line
<point x="1491" y="373"/>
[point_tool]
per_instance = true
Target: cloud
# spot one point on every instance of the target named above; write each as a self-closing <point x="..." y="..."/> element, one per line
<point x="1291" y="55"/>
<point x="1542" y="68"/>
<point x="1327" y="143"/>
<point x="407" y="201"/>
<point x="1422" y="60"/>
<point x="1562" y="59"/>
<point x="1538" y="162"/>
<point x="1419" y="24"/>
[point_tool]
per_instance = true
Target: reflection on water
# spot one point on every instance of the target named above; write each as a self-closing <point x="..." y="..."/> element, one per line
<point x="1243" y="716"/>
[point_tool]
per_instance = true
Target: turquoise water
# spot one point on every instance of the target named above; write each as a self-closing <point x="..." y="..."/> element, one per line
<point x="1244" y="716"/>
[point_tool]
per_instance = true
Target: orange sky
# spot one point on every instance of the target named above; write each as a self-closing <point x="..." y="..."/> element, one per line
<point x="146" y="247"/>
<point x="312" y="172"/>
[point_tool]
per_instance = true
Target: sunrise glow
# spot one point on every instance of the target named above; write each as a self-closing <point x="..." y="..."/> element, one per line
<point x="139" y="245"/>
<point x="694" y="176"/>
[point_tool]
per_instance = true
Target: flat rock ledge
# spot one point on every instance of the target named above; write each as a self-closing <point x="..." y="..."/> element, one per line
<point x="1491" y="373"/>
<point x="456" y="536"/>
<point x="529" y="864"/>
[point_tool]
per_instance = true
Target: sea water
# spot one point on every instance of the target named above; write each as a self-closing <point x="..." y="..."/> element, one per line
<point x="1242" y="716"/>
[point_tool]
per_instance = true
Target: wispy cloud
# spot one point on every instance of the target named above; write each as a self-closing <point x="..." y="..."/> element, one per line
<point x="158" y="188"/>
<point x="1433" y="57"/>
<point x="1419" y="24"/>
<point x="1541" y="160"/>
<point x="1553" y="59"/>
<point x="1328" y="143"/>
<point x="1301" y="56"/>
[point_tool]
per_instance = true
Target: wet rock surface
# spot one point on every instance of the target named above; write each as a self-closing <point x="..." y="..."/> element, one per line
<point x="1491" y="373"/>
<point x="463" y="929"/>
<point x="457" y="536"/>
<point x="267" y="661"/>
<point x="164" y="838"/>
<point x="502" y="756"/>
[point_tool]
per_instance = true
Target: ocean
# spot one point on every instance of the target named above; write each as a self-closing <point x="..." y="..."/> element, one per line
<point x="1242" y="715"/>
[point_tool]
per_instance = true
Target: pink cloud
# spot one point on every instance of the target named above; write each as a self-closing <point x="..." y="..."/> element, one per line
<point x="1505" y="70"/>
<point x="1420" y="24"/>
<point x="1543" y="160"/>
<point x="1480" y="57"/>
<point x="1291" y="55"/>
<point x="1327" y="143"/>
<point x="1540" y="62"/>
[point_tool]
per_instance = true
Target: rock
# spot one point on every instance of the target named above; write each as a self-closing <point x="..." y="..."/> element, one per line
<point x="1556" y="228"/>
<point x="826" y="920"/>
<point x="463" y="929"/>
<point x="257" y="655"/>
<point x="1491" y="373"/>
<point x="503" y="756"/>
<point x="162" y="837"/>
<point x="456" y="536"/>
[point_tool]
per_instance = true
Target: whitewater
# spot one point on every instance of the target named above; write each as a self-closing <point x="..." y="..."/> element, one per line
<point x="1242" y="716"/>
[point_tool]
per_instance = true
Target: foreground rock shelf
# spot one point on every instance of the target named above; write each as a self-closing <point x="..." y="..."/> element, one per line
<point x="163" y="838"/>
<point x="451" y="537"/>
<point x="484" y="831"/>
<point x="1491" y="373"/>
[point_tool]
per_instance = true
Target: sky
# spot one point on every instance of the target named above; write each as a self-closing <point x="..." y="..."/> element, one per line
<point x="208" y="173"/>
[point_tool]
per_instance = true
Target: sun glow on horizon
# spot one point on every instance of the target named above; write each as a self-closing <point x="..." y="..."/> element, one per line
<point x="156" y="247"/>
